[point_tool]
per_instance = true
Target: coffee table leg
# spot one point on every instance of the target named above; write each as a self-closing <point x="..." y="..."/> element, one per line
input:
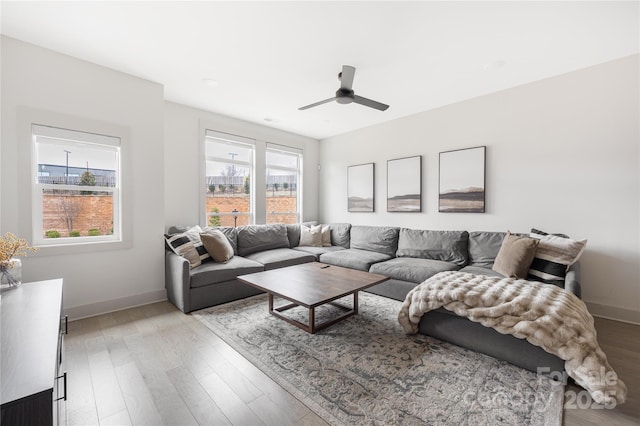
<point x="355" y="302"/>
<point x="312" y="320"/>
<point x="270" y="303"/>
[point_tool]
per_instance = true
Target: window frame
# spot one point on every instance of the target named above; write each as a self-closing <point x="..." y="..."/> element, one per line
<point x="26" y="117"/>
<point x="71" y="135"/>
<point x="284" y="149"/>
<point x="251" y="165"/>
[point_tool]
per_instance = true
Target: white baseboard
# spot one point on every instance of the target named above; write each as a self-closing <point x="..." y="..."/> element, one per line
<point x="614" y="313"/>
<point x="93" y="309"/>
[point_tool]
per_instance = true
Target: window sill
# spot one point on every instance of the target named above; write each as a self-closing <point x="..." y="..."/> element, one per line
<point x="81" y="248"/>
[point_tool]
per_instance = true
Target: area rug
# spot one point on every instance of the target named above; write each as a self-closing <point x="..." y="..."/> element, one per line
<point x="365" y="370"/>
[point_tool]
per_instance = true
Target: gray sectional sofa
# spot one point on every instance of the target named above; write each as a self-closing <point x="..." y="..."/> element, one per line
<point x="407" y="256"/>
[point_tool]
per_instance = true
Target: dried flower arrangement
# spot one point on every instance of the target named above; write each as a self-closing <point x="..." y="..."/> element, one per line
<point x="10" y="248"/>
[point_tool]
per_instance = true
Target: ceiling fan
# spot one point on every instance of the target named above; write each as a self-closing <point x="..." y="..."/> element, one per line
<point x="346" y="95"/>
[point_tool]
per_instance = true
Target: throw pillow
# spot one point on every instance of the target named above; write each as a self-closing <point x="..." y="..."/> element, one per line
<point x="553" y="257"/>
<point x="515" y="256"/>
<point x="311" y="236"/>
<point x="326" y="236"/>
<point x="217" y="245"/>
<point x="183" y="246"/>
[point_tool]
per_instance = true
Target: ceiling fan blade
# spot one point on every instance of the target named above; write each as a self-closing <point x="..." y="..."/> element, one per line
<point x="317" y="103"/>
<point x="370" y="103"/>
<point x="346" y="77"/>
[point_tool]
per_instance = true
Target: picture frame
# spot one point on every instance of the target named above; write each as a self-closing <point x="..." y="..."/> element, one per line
<point x="360" y="188"/>
<point x="404" y="184"/>
<point x="462" y="180"/>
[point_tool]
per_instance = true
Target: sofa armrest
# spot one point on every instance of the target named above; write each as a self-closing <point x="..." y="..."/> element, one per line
<point x="177" y="280"/>
<point x="572" y="280"/>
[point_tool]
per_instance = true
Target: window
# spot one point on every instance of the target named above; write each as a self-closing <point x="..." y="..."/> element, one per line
<point x="76" y="187"/>
<point x="284" y="165"/>
<point x="229" y="163"/>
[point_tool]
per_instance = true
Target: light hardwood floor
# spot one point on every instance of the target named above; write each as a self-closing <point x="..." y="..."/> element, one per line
<point x="153" y="365"/>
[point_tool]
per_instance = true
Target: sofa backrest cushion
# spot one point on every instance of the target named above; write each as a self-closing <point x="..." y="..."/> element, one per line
<point x="293" y="232"/>
<point x="340" y="234"/>
<point x="229" y="231"/>
<point x="255" y="238"/>
<point x="484" y="247"/>
<point x="381" y="239"/>
<point x="447" y="246"/>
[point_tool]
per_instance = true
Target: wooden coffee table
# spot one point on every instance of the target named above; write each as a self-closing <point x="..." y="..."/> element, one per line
<point x="310" y="285"/>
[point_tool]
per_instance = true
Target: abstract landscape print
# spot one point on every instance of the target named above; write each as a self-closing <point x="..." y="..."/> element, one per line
<point x="404" y="184"/>
<point x="462" y="181"/>
<point x="360" y="192"/>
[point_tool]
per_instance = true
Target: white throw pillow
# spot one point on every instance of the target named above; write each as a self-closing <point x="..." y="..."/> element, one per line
<point x="326" y="236"/>
<point x="311" y="237"/>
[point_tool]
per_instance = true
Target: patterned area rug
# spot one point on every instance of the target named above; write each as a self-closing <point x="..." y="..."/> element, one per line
<point x="365" y="370"/>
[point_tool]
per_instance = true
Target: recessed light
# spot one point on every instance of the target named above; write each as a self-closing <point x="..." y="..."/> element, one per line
<point x="210" y="82"/>
<point x="494" y="65"/>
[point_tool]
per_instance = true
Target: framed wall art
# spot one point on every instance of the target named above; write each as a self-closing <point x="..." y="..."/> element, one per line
<point x="360" y="189"/>
<point x="404" y="184"/>
<point x="462" y="181"/>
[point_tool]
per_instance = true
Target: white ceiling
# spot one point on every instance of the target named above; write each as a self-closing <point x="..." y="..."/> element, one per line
<point x="269" y="58"/>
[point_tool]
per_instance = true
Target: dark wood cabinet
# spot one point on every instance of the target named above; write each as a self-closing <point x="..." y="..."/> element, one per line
<point x="33" y="378"/>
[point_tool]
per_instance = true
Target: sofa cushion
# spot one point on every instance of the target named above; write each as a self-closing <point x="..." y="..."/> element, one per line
<point x="515" y="256"/>
<point x="380" y="239"/>
<point x="255" y="238"/>
<point x="446" y="246"/>
<point x="281" y="257"/>
<point x="229" y="231"/>
<point x="340" y="234"/>
<point x="484" y="247"/>
<point x="213" y="272"/>
<point x="293" y="232"/>
<point x="412" y="269"/>
<point x="317" y="251"/>
<point x="354" y="258"/>
<point x="217" y="245"/>
<point x="480" y="270"/>
<point x="553" y="257"/>
<point x="310" y="236"/>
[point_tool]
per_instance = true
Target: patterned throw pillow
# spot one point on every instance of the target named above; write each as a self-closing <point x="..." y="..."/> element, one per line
<point x="179" y="245"/>
<point x="553" y="257"/>
<point x="183" y="246"/>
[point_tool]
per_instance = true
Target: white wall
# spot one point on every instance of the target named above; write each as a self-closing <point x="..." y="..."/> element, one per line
<point x="562" y="155"/>
<point x="183" y="139"/>
<point x="37" y="78"/>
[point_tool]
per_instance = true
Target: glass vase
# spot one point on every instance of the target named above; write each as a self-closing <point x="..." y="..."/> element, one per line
<point x="10" y="273"/>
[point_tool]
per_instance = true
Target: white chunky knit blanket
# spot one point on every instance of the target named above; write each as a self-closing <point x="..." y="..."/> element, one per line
<point x="545" y="315"/>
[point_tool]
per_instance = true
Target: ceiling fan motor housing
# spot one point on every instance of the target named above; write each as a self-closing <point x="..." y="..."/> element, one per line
<point x="344" y="96"/>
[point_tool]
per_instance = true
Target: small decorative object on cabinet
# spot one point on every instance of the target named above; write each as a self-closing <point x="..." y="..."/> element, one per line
<point x="10" y="273"/>
<point x="34" y="384"/>
<point x="10" y="266"/>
